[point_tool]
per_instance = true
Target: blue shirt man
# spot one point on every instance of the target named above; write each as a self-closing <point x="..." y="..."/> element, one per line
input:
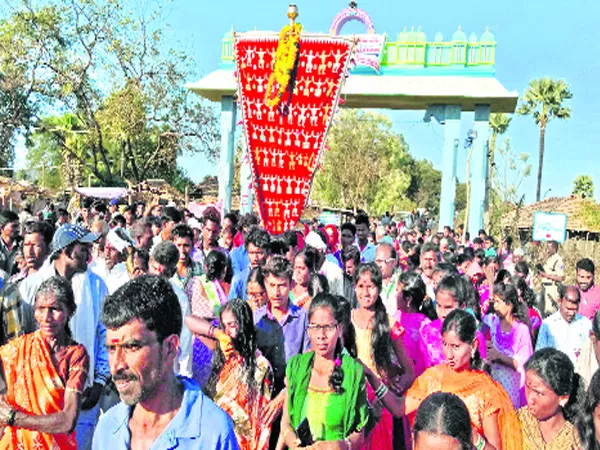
<point x="143" y="322"/>
<point x="199" y="424"/>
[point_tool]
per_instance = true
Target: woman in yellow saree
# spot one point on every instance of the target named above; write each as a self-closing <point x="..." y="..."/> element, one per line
<point x="44" y="373"/>
<point x="493" y="418"/>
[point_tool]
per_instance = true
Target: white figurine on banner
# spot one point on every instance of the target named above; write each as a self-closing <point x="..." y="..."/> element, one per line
<point x="338" y="58"/>
<point x="323" y="65"/>
<point x="271" y="115"/>
<point x="258" y="111"/>
<point x="297" y="133"/>
<point x="271" y="131"/>
<point x="273" y="187"/>
<point x="269" y="204"/>
<point x="249" y="56"/>
<point x="318" y="90"/>
<point x="290" y="114"/>
<point x="261" y="58"/>
<point x="286" y="209"/>
<point x="259" y="84"/>
<point x="309" y="61"/>
<point x="302" y="116"/>
<point x="248" y="105"/>
<point x="254" y="134"/>
<point x="266" y="160"/>
<point x="306" y="87"/>
<point x="314" y="116"/>
<point x="306" y="143"/>
<point x="280" y="160"/>
<point x="249" y="82"/>
<point x="279" y="191"/>
<point x="265" y="183"/>
<point x="288" y="141"/>
<point x="262" y="137"/>
<point x="295" y="210"/>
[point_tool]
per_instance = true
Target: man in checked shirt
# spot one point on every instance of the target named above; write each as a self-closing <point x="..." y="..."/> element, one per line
<point x="36" y="248"/>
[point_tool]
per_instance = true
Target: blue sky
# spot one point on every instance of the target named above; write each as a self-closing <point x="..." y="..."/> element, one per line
<point x="535" y="38"/>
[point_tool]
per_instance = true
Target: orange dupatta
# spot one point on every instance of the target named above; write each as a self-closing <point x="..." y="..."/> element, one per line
<point x="244" y="404"/>
<point x="480" y="393"/>
<point x="35" y="387"/>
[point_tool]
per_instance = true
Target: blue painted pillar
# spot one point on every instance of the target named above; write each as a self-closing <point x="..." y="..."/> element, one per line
<point x="479" y="169"/>
<point x="246" y="186"/>
<point x="451" y="124"/>
<point x="228" y="113"/>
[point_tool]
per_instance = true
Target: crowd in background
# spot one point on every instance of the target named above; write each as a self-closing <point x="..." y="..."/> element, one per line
<point x="373" y="334"/>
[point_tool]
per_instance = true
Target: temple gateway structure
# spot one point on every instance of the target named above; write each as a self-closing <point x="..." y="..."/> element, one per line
<point x="442" y="78"/>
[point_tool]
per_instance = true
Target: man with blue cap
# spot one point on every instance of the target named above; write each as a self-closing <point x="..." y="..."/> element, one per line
<point x="71" y="247"/>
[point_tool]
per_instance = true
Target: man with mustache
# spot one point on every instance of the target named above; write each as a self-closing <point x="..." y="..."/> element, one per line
<point x="158" y="408"/>
<point x="590" y="293"/>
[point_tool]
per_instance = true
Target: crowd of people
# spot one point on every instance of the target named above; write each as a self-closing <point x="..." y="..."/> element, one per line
<point x="143" y="326"/>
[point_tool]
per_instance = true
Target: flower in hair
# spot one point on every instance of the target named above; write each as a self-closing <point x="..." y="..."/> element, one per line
<point x="337" y="362"/>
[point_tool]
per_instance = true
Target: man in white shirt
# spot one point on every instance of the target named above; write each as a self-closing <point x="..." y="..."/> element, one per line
<point x="115" y="254"/>
<point x="386" y="259"/>
<point x="332" y="271"/>
<point x="163" y="263"/>
<point x="565" y="330"/>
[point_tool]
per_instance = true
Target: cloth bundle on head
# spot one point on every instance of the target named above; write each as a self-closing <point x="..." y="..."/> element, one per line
<point x="119" y="239"/>
<point x="194" y="223"/>
<point x="314" y="240"/>
<point x="69" y="233"/>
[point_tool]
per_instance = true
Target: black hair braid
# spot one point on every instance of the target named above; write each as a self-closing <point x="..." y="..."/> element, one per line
<point x="576" y="399"/>
<point x="337" y="376"/>
<point x="244" y="344"/>
<point x="585" y="419"/>
<point x="381" y="341"/>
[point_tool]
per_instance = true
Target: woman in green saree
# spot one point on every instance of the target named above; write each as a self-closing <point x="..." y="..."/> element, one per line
<point x="326" y="387"/>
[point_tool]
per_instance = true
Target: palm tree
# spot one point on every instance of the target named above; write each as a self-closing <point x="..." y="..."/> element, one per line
<point x="544" y="101"/>
<point x="583" y="186"/>
<point x="499" y="124"/>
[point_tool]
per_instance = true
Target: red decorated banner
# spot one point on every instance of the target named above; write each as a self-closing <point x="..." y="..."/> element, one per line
<point x="285" y="142"/>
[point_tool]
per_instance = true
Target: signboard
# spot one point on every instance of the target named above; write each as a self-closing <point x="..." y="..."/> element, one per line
<point x="329" y="218"/>
<point x="549" y="227"/>
<point x="369" y="50"/>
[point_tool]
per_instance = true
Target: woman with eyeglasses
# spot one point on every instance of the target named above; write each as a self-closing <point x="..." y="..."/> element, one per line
<point x="255" y="289"/>
<point x="326" y="403"/>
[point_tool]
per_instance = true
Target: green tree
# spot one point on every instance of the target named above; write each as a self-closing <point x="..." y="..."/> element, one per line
<point x="513" y="170"/>
<point x="583" y="186"/>
<point x="133" y="126"/>
<point x="426" y="186"/>
<point x="366" y="167"/>
<point x="544" y="101"/>
<point x="499" y="124"/>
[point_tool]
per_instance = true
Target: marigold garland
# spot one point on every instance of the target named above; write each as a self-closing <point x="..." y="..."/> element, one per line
<point x="285" y="60"/>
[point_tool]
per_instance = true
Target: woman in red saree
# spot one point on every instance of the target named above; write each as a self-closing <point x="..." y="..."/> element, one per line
<point x="44" y="372"/>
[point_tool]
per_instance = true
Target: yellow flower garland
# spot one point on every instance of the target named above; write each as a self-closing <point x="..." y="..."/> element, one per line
<point x="285" y="60"/>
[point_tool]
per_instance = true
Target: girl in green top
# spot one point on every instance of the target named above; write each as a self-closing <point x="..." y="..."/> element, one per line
<point x="325" y="386"/>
